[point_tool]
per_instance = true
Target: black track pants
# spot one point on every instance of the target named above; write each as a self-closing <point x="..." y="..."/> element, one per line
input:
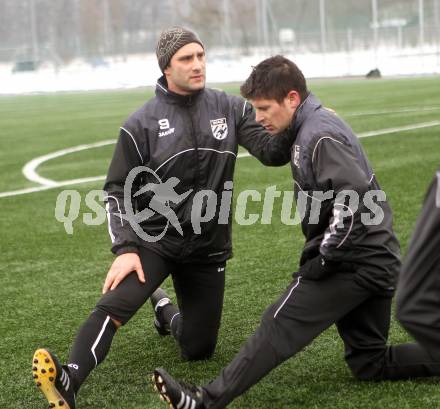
<point x="303" y="312"/>
<point x="199" y="290"/>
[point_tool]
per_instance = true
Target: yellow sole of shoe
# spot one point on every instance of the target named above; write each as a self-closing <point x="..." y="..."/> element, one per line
<point x="159" y="387"/>
<point x="44" y="373"/>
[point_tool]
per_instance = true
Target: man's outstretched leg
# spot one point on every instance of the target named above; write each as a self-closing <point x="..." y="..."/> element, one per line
<point x="95" y="336"/>
<point x="61" y="383"/>
<point x="304" y="310"/>
<point x="91" y="346"/>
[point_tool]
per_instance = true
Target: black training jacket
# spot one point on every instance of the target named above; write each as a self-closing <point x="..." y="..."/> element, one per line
<point x="418" y="300"/>
<point x="195" y="140"/>
<point x="327" y="157"/>
<point x="424" y="247"/>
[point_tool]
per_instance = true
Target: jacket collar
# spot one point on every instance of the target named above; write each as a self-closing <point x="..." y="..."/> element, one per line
<point x="308" y="106"/>
<point x="162" y="91"/>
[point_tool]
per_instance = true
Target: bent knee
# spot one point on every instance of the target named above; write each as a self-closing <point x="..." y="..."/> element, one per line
<point x="197" y="352"/>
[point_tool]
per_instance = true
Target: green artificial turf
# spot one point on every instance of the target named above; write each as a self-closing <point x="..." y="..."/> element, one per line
<point x="50" y="281"/>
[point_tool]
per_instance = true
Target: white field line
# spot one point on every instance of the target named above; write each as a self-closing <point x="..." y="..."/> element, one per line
<point x="391" y="111"/>
<point x="29" y="170"/>
<point x="387" y="131"/>
<point x="59" y="184"/>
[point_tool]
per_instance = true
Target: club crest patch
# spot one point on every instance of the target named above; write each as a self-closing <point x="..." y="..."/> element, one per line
<point x="219" y="128"/>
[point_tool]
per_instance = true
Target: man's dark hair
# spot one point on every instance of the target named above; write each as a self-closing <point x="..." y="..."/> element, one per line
<point x="274" y="78"/>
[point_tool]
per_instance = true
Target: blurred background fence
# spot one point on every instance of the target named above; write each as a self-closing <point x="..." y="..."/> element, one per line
<point x="59" y="31"/>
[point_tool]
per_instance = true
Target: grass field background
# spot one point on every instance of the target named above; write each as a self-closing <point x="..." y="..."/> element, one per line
<point x="50" y="281"/>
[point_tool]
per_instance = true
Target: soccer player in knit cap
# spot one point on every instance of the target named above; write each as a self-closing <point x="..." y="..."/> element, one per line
<point x="174" y="163"/>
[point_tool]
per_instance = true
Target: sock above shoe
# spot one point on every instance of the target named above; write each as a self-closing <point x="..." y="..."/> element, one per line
<point x="159" y="299"/>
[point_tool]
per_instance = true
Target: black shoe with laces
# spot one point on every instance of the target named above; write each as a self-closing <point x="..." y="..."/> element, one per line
<point x="158" y="300"/>
<point x="179" y="395"/>
<point x="53" y="380"/>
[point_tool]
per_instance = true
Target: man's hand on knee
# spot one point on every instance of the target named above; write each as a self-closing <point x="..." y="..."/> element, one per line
<point x="121" y="268"/>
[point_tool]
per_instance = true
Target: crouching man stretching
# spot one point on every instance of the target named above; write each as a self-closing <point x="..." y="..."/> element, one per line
<point x="349" y="263"/>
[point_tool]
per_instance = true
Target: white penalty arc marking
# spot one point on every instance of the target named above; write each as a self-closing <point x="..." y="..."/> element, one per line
<point x="52" y="184"/>
<point x="29" y="170"/>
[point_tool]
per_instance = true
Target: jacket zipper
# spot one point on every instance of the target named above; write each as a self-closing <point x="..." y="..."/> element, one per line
<point x="188" y="243"/>
<point x="196" y="150"/>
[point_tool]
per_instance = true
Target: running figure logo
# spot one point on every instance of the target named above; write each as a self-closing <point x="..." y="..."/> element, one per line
<point x="164" y="194"/>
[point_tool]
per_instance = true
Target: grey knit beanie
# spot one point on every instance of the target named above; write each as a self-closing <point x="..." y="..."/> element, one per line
<point x="170" y="41"/>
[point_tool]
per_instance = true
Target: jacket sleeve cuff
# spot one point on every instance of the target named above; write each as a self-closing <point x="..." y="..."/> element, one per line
<point x="126" y="249"/>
